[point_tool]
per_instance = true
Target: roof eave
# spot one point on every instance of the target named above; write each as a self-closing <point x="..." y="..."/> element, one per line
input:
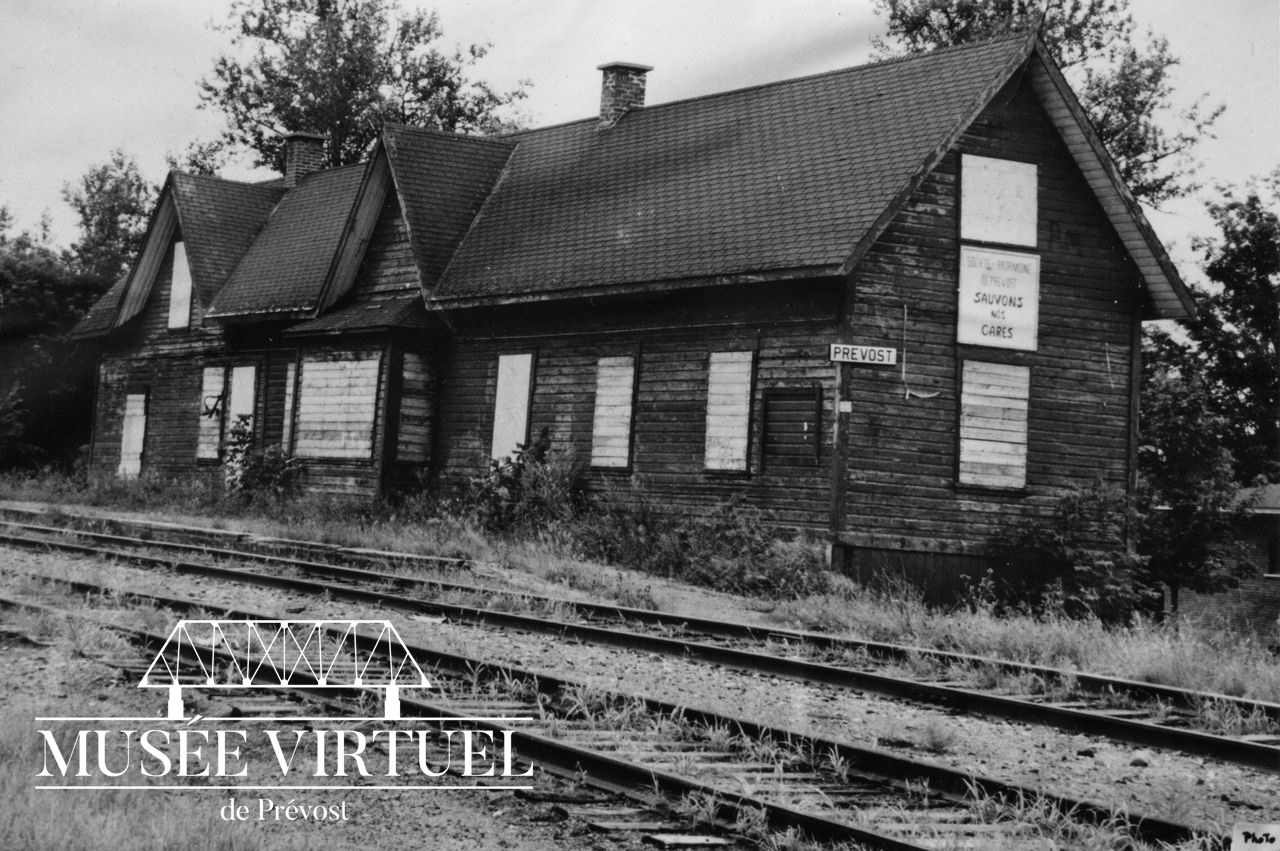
<point x="981" y="100"/>
<point x="830" y="271"/>
<point x="1168" y="275"/>
<point x="264" y="315"/>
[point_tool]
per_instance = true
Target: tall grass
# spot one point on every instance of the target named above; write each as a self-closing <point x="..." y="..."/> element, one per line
<point x="727" y="549"/>
<point x="1201" y="655"/>
<point x="55" y="820"/>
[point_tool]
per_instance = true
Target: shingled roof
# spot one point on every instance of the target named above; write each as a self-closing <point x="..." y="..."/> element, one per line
<point x="285" y="269"/>
<point x="404" y="310"/>
<point x="788" y="180"/>
<point x="98" y="321"/>
<point x="780" y="178"/>
<point x="442" y="180"/>
<point x="217" y="219"/>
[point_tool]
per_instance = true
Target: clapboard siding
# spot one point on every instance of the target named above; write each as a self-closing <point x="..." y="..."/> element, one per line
<point x="148" y="356"/>
<point x="902" y="488"/>
<point x="611" y="420"/>
<point x="212" y="404"/>
<point x="417" y="406"/>
<point x="671" y="342"/>
<point x="388" y="266"/>
<point x="337" y="404"/>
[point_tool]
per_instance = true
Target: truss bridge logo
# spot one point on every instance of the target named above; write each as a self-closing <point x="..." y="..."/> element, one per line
<point x="302" y="654"/>
<point x="254" y="751"/>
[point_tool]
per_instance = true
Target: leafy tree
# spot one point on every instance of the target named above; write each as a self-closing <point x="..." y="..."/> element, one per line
<point x="1075" y="561"/>
<point x="1123" y="85"/>
<point x="113" y="202"/>
<point x="199" y="158"/>
<point x="46" y="384"/>
<point x="1189" y="512"/>
<point x="1234" y="339"/>
<point x="343" y="68"/>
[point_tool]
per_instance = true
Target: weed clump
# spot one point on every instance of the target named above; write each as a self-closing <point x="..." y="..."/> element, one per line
<point x="729" y="547"/>
<point x="252" y="471"/>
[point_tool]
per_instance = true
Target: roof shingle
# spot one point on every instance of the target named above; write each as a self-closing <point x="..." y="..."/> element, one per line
<point x="783" y="176"/>
<point x="443" y="179"/>
<point x="219" y="220"/>
<point x="285" y="269"/>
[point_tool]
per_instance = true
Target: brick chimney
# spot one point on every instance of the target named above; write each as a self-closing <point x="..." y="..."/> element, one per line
<point x="622" y="90"/>
<point x="303" y="154"/>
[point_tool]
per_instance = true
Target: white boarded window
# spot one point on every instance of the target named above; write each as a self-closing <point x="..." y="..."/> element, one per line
<point x="337" y="406"/>
<point x="993" y="424"/>
<point x="997" y="200"/>
<point x="133" y="435"/>
<point x="241" y="396"/>
<point x="611" y="425"/>
<point x="212" y="404"/>
<point x="290" y="379"/>
<point x="511" y="404"/>
<point x="180" y="291"/>
<point x="413" y="438"/>
<point x="728" y="410"/>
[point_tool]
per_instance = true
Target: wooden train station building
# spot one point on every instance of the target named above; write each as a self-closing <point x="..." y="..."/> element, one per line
<point x="899" y="304"/>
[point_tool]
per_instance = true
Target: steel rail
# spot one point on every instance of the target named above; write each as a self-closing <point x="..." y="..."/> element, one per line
<point x="894" y="769"/>
<point x="617" y="775"/>
<point x="1066" y="717"/>
<point x="731" y="630"/>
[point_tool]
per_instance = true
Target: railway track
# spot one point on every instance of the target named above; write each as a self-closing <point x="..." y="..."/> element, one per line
<point x="1140" y="713"/>
<point x="730" y="771"/>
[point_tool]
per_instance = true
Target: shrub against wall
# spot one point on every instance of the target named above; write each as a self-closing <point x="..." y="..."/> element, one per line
<point x="248" y="470"/>
<point x="540" y="491"/>
<point x="729" y="548"/>
<point x="1076" y="561"/>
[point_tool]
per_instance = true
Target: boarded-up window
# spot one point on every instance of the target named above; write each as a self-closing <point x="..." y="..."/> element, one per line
<point x="413" y="442"/>
<point x="241" y="396"/>
<point x="997" y="200"/>
<point x="993" y="424"/>
<point x="133" y="435"/>
<point x="212" y="404"/>
<point x="511" y="404"/>
<point x="290" y="379"/>
<point x="337" y="406"/>
<point x="180" y="291"/>
<point x="611" y="425"/>
<point x="728" y="410"/>
<point x="792" y="428"/>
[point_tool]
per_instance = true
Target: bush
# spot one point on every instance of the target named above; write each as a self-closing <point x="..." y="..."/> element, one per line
<point x="729" y="548"/>
<point x="533" y="489"/>
<point x="250" y="471"/>
<point x="1075" y="561"/>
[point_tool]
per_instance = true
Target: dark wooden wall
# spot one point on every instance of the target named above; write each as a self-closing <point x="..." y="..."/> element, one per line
<point x="786" y="324"/>
<point x="148" y="357"/>
<point x="902" y="492"/>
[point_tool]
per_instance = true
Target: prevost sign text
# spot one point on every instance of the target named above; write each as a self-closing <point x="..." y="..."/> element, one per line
<point x="851" y="353"/>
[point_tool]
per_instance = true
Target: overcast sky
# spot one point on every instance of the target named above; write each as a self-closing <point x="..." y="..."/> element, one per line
<point x="80" y="77"/>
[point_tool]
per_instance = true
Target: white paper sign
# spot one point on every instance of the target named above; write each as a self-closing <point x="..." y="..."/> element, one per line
<point x="999" y="298"/>
<point x="997" y="200"/>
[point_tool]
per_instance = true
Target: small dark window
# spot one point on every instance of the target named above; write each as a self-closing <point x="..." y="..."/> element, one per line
<point x="792" y="428"/>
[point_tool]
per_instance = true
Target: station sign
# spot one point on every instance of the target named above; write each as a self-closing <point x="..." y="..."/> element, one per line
<point x="850" y="353"/>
